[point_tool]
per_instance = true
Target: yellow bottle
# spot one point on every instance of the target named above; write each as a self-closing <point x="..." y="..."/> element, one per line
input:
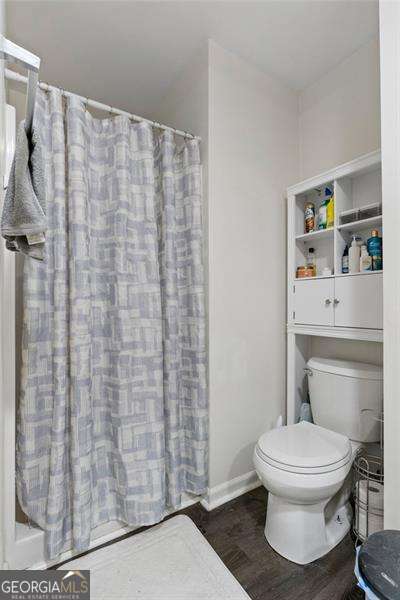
<point x="330" y="212"/>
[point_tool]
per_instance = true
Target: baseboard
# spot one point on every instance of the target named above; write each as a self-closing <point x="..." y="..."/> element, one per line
<point x="229" y="490"/>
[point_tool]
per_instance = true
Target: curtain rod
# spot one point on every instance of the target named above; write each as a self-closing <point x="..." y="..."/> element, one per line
<point x="12" y="75"/>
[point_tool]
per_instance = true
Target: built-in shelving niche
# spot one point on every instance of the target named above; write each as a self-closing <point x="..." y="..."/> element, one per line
<point x="307" y="346"/>
<point x="354" y="190"/>
<point x="336" y="316"/>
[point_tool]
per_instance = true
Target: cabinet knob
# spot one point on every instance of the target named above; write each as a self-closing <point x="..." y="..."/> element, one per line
<point x="328" y="301"/>
<point x="336" y="301"/>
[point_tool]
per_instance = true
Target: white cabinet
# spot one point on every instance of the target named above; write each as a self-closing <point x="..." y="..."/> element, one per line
<point x="327" y="313"/>
<point x="313" y="303"/>
<point x="359" y="301"/>
<point x="347" y="305"/>
<point x="349" y="301"/>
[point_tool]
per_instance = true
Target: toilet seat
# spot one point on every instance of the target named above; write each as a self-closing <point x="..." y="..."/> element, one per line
<point x="304" y="448"/>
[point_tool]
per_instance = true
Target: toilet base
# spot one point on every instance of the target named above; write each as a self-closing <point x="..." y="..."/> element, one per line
<point x="304" y="532"/>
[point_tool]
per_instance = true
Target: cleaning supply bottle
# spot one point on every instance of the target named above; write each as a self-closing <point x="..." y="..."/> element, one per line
<point x="365" y="259"/>
<point x="345" y="260"/>
<point x="311" y="261"/>
<point x="330" y="208"/>
<point x="354" y="256"/>
<point x="305" y="412"/>
<point x="374" y="245"/>
<point x="322" y="214"/>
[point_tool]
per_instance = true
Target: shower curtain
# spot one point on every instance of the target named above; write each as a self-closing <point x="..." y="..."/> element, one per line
<point x="113" y="419"/>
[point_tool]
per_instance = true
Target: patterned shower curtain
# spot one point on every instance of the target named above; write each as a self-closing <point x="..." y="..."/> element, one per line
<point x="113" y="420"/>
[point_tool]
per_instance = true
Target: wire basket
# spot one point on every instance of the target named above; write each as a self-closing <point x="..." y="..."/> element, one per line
<point x="368" y="488"/>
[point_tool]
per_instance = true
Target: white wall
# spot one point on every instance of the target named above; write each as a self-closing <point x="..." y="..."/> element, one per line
<point x="368" y="352"/>
<point x="339" y="115"/>
<point x="389" y="14"/>
<point x="252" y="159"/>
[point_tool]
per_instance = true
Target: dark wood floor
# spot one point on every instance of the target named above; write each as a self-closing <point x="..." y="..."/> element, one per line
<point x="236" y="532"/>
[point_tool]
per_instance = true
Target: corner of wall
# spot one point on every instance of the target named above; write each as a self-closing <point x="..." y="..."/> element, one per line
<point x="339" y="113"/>
<point x="299" y="138"/>
<point x="220" y="494"/>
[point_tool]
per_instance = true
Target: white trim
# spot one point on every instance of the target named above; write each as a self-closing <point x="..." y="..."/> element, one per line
<point x="4" y="282"/>
<point x="224" y="492"/>
<point x="358" y="165"/>
<point x="7" y="389"/>
<point x="14" y="53"/>
<point x="346" y="333"/>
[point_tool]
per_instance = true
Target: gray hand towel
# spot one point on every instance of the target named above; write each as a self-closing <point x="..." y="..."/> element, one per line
<point x="23" y="221"/>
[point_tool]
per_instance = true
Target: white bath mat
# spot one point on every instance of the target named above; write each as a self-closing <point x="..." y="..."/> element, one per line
<point x="171" y="561"/>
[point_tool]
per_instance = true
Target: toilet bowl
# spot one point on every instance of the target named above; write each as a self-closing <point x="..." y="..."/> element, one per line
<point x="304" y="468"/>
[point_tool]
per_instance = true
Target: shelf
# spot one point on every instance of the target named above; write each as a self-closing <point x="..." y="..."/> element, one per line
<point x="360" y="225"/>
<point x="315" y="235"/>
<point x="338" y="275"/>
<point x="360" y="273"/>
<point x="316" y="277"/>
<point x="349" y="333"/>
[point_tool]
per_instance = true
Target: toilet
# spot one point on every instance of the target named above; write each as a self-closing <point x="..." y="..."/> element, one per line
<point x="306" y="467"/>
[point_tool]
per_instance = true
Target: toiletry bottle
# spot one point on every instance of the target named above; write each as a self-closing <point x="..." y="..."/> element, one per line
<point x="322" y="214"/>
<point x="311" y="261"/>
<point x="345" y="260"/>
<point x="309" y="217"/>
<point x="374" y="245"/>
<point x="354" y="256"/>
<point x="365" y="259"/>
<point x="359" y="240"/>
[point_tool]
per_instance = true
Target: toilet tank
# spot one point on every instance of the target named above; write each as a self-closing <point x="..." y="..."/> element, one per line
<point x="346" y="397"/>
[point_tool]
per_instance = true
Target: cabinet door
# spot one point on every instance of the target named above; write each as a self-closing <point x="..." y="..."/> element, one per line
<point x="313" y="302"/>
<point x="359" y="301"/>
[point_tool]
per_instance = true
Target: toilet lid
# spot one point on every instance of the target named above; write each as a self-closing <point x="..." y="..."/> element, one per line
<point x="305" y="446"/>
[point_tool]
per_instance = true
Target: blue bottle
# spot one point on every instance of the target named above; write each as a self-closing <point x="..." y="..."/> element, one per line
<point x="345" y="260"/>
<point x="374" y="246"/>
